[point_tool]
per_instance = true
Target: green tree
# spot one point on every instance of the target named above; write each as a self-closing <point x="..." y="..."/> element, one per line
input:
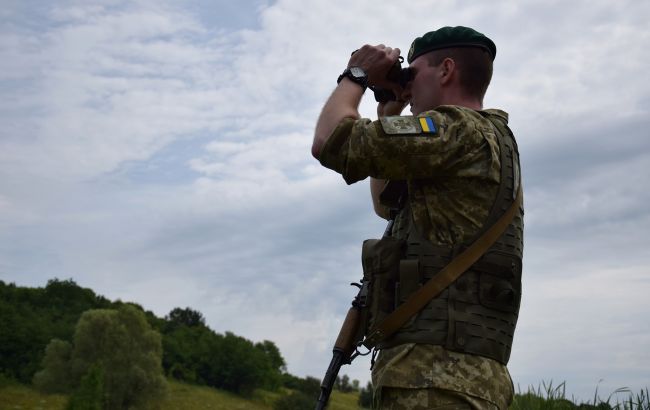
<point x="272" y="352"/>
<point x="55" y="376"/>
<point x="90" y="393"/>
<point x="365" y="396"/>
<point x="31" y="317"/>
<point x="116" y="356"/>
<point x="310" y="386"/>
<point x="185" y="352"/>
<point x="129" y="351"/>
<point x="187" y="317"/>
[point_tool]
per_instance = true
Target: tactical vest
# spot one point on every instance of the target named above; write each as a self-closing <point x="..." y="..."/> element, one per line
<point x="478" y="313"/>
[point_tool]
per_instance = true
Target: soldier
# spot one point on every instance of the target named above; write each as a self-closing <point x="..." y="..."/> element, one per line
<point x="460" y="166"/>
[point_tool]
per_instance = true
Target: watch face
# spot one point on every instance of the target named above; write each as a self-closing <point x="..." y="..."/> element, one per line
<point x="357" y="72"/>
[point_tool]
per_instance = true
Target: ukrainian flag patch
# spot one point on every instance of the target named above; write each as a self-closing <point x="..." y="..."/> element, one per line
<point x="427" y="124"/>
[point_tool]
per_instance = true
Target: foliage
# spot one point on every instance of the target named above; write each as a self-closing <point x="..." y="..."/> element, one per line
<point x="197" y="354"/>
<point x="233" y="363"/>
<point x="343" y="384"/>
<point x="55" y="376"/>
<point x="90" y="394"/>
<point x="129" y="352"/>
<point x="365" y="396"/>
<point x="294" y="401"/>
<point x="185" y="317"/>
<point x="310" y="386"/>
<point x="114" y="362"/>
<point x="31" y="317"/>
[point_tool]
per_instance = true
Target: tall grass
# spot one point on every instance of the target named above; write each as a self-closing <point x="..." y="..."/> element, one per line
<point x="550" y="397"/>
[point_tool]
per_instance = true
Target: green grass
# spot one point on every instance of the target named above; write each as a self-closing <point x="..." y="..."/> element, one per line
<point x="19" y="397"/>
<point x="549" y="397"/>
<point x="184" y="396"/>
<point x="181" y="396"/>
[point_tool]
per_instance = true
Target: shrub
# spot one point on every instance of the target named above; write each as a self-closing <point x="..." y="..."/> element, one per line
<point x="295" y="401"/>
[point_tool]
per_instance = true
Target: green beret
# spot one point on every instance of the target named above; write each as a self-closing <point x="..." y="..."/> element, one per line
<point x="447" y="37"/>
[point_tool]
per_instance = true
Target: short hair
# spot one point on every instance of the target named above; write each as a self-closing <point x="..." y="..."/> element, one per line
<point x="474" y="65"/>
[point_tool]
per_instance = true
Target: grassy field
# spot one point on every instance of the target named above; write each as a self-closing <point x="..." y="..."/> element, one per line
<point x="15" y="396"/>
<point x="181" y="397"/>
<point x="189" y="397"/>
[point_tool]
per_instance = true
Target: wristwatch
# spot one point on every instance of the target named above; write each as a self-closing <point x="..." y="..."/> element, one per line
<point x="355" y="74"/>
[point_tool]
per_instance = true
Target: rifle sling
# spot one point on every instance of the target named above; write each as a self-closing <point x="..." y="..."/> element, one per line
<point x="442" y="279"/>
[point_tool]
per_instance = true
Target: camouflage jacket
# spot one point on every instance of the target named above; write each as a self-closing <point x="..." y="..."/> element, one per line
<point x="450" y="159"/>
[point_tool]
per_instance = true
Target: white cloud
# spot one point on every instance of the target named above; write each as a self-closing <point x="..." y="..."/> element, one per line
<point x="256" y="234"/>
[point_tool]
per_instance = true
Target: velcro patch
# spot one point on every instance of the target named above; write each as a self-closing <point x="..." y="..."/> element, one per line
<point x="398" y="125"/>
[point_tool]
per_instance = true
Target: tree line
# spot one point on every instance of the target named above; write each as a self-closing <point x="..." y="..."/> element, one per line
<point x="65" y="338"/>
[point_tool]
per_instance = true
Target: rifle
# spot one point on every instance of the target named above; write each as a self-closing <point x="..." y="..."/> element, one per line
<point x="345" y="348"/>
<point x="349" y="339"/>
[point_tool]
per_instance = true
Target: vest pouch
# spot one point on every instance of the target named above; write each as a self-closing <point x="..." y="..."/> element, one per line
<point x="380" y="260"/>
<point x="499" y="283"/>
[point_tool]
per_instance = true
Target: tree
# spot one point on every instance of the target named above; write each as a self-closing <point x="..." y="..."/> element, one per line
<point x="310" y="386"/>
<point x="90" y="393"/>
<point x="129" y="351"/>
<point x="343" y="384"/>
<point x="116" y="356"/>
<point x="187" y="317"/>
<point x="365" y="396"/>
<point x="273" y="354"/>
<point x="55" y="376"/>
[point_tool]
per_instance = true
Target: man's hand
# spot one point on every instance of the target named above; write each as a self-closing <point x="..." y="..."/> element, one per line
<point x="376" y="61"/>
<point x="391" y="107"/>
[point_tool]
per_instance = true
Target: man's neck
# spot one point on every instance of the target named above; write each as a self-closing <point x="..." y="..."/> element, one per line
<point x="463" y="101"/>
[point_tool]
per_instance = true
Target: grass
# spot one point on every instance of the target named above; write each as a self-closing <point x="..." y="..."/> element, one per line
<point x="548" y="397"/>
<point x="19" y="397"/>
<point x="181" y="396"/>
<point x="184" y="396"/>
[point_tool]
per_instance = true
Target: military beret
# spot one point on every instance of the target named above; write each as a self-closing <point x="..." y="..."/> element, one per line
<point x="447" y="37"/>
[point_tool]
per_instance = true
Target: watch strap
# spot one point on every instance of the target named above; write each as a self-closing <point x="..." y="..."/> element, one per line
<point x="362" y="81"/>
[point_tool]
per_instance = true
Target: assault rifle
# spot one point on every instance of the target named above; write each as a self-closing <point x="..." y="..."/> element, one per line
<point x="346" y="347"/>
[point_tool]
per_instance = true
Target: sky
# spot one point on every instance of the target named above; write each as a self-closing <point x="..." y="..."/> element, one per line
<point x="159" y="152"/>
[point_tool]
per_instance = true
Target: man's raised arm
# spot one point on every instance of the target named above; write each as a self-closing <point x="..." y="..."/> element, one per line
<point x="371" y="62"/>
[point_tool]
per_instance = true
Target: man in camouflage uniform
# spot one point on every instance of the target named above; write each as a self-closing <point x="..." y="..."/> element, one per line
<point x="448" y="153"/>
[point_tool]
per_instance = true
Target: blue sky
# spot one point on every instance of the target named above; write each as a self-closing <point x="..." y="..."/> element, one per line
<point x="159" y="152"/>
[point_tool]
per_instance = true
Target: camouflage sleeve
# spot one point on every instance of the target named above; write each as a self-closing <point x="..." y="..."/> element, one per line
<point x="394" y="148"/>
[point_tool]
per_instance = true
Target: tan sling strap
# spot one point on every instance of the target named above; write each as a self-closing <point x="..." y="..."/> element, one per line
<point x="442" y="279"/>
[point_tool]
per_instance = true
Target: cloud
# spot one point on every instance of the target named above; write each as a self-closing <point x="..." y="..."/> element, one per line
<point x="159" y="152"/>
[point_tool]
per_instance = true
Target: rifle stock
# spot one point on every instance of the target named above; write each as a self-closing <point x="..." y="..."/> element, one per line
<point x="346" y="343"/>
<point x="352" y="332"/>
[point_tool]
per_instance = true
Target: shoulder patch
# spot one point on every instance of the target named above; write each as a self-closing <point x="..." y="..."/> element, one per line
<point x="427" y="124"/>
<point x="399" y="125"/>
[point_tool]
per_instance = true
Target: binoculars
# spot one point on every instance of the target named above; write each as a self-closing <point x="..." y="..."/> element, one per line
<point x="397" y="75"/>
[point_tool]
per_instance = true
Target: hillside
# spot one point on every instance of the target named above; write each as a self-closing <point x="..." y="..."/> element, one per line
<point x="182" y="396"/>
<point x="51" y="338"/>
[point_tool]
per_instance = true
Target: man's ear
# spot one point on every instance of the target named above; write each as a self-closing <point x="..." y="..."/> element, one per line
<point x="447" y="70"/>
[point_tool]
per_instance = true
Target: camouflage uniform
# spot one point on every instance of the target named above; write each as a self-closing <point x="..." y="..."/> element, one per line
<point x="453" y="175"/>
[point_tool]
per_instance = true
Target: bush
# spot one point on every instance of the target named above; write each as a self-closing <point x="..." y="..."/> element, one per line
<point x="55" y="376"/>
<point x="90" y="394"/>
<point x="310" y="386"/>
<point x="295" y="401"/>
<point x="114" y="362"/>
